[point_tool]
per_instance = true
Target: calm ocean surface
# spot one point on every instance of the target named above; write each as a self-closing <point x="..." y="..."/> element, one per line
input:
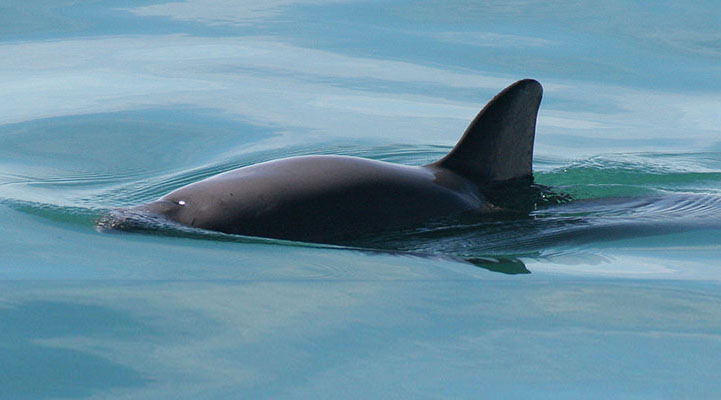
<point x="111" y="103"/>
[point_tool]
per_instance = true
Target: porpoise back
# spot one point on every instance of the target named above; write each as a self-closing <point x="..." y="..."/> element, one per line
<point x="329" y="199"/>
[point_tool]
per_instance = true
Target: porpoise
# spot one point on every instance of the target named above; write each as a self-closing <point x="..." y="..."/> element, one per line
<point x="330" y="198"/>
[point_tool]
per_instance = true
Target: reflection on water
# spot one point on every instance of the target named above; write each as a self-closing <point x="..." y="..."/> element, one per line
<point x="409" y="335"/>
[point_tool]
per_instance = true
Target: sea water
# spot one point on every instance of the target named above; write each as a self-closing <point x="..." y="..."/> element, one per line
<point x="106" y="104"/>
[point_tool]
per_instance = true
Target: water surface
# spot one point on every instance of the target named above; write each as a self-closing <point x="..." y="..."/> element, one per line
<point x="110" y="104"/>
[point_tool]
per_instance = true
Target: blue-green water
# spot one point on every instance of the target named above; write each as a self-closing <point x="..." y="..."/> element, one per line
<point x="108" y="104"/>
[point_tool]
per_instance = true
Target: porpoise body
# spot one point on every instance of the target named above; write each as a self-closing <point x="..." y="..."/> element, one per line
<point x="330" y="198"/>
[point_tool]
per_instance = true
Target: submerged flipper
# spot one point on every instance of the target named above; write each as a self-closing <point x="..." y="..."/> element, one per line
<point x="498" y="144"/>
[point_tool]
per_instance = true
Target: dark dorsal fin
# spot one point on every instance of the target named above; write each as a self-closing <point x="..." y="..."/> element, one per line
<point x="498" y="144"/>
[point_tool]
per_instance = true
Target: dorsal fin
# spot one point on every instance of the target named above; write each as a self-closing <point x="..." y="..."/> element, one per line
<point x="498" y="144"/>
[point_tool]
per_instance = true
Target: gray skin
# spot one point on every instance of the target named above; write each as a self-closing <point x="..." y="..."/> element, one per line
<point x="331" y="198"/>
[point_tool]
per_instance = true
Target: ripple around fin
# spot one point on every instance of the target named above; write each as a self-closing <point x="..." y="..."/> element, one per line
<point x="636" y="175"/>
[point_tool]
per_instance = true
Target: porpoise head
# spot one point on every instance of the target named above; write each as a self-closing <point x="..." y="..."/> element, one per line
<point x="185" y="206"/>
